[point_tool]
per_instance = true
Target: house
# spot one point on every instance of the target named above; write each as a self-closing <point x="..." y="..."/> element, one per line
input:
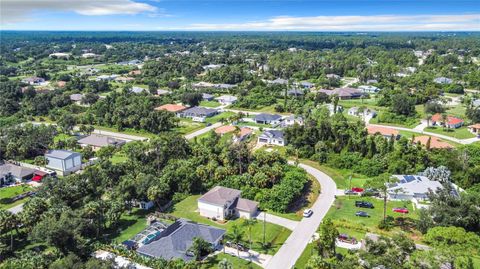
<point x="224" y="129"/>
<point x="10" y="173"/>
<point x="278" y="81"/>
<point x="476" y="103"/>
<point x="372" y="81"/>
<point x="124" y="79"/>
<point x="272" y="137"/>
<point x="59" y="55"/>
<point x="245" y="132"/>
<point x="97" y="141"/>
<point x="295" y="92"/>
<point x="136" y="89"/>
<point x="34" y="81"/>
<point x="411" y="187"/>
<point x="224" y="86"/>
<point x="264" y="118"/>
<point x="384" y="131"/>
<point x="344" y="93"/>
<point x="333" y="76"/>
<point x="226" y="99"/>
<point x="291" y="120"/>
<point x="174" y="241"/>
<point x="135" y="72"/>
<point x="451" y="121"/>
<point x="435" y="142"/>
<point x="332" y="110"/>
<point x="305" y="84"/>
<point x="174" y="108"/>
<point x="207" y="97"/>
<point x="443" y="80"/>
<point x="362" y="112"/>
<point x="222" y="203"/>
<point x="474" y="129"/>
<point x="369" y="89"/>
<point x="145" y="205"/>
<point x="64" y="161"/>
<point x="89" y="55"/>
<point x="106" y="77"/>
<point x="213" y="66"/>
<point x="162" y="92"/>
<point x="77" y="98"/>
<point x="202" y="84"/>
<point x="198" y="113"/>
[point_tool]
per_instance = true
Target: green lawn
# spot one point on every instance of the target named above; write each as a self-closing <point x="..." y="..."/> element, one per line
<point x="306" y="254"/>
<point x="126" y="131"/>
<point x="62" y="137"/>
<point x="275" y="235"/>
<point x="459" y="133"/>
<point x="130" y="224"/>
<point x="6" y="193"/>
<point x="253" y="124"/>
<point x="237" y="263"/>
<point x="186" y="126"/>
<point x="118" y="157"/>
<point x="340" y="176"/>
<point x="210" y="104"/>
<point x="219" y="117"/>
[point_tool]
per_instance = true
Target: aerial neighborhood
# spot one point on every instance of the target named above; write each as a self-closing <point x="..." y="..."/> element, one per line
<point x="239" y="150"/>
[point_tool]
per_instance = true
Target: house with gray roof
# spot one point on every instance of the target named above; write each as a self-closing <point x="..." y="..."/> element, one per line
<point x="199" y="113"/>
<point x="97" y="141"/>
<point x="175" y="241"/>
<point x="207" y="97"/>
<point x="295" y="92"/>
<point x="292" y="120"/>
<point x="265" y="118"/>
<point x="409" y="187"/>
<point x="221" y="203"/>
<point x="227" y="99"/>
<point x="63" y="161"/>
<point x="278" y="81"/>
<point x="344" y="93"/>
<point x="443" y="80"/>
<point x="272" y="137"/>
<point x="11" y="172"/>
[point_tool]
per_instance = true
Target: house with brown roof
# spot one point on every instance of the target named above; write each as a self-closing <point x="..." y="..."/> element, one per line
<point x="222" y="203"/>
<point x="474" y="129"/>
<point x="384" y="131"/>
<point x="451" y="121"/>
<point x="174" y="108"/>
<point x="435" y="142"/>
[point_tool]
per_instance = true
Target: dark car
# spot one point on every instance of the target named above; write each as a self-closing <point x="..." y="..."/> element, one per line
<point x="362" y="214"/>
<point x="364" y="204"/>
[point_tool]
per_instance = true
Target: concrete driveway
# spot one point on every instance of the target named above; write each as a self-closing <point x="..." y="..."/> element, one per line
<point x="16" y="209"/>
<point x="293" y="247"/>
<point x="202" y="131"/>
<point x="287" y="223"/>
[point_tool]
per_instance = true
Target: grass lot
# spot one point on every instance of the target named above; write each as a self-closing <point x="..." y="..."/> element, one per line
<point x="459" y="133"/>
<point x="118" y="157"/>
<point x="186" y="126"/>
<point x="275" y="235"/>
<point x="6" y="193"/>
<point x="253" y="124"/>
<point x="237" y="263"/>
<point x="126" y="131"/>
<point x="306" y="254"/>
<point x="219" y="117"/>
<point x="62" y="137"/>
<point x="210" y="104"/>
<point x="130" y="225"/>
<point x="343" y="214"/>
<point x="340" y="176"/>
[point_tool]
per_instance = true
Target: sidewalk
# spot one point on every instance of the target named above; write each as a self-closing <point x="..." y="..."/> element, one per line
<point x="253" y="256"/>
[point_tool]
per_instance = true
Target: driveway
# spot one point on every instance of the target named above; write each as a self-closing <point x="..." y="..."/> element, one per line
<point x="293" y="247"/>
<point x="287" y="223"/>
<point x="202" y="131"/>
<point x="16" y="209"/>
<point x="253" y="256"/>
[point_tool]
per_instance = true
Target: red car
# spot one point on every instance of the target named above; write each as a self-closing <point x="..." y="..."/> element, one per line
<point x="356" y="189"/>
<point x="400" y="210"/>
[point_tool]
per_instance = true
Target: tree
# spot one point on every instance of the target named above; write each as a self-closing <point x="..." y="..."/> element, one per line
<point x="381" y="183"/>
<point x="403" y="104"/>
<point x="86" y="129"/>
<point x="67" y="122"/>
<point x="192" y="98"/>
<point x="200" y="248"/>
<point x="225" y="264"/>
<point x="236" y="236"/>
<point x="249" y="223"/>
<point x="8" y="223"/>
<point x="327" y="238"/>
<point x="441" y="174"/>
<point x="40" y="161"/>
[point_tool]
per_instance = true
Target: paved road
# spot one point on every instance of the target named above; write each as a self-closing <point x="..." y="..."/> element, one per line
<point x="16" y="209"/>
<point x="444" y="137"/>
<point x="204" y="130"/>
<point x="291" y="250"/>
<point x="287" y="223"/>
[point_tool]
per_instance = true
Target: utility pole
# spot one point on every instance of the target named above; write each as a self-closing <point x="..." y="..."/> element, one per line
<point x="264" y="216"/>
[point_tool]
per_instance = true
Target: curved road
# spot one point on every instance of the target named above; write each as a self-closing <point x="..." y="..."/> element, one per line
<point x="291" y="250"/>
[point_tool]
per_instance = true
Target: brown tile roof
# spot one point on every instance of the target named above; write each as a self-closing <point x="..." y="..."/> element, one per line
<point x="245" y="131"/>
<point x="225" y="129"/>
<point x="171" y="108"/>
<point x="382" y="130"/>
<point x="451" y="120"/>
<point x="435" y="142"/>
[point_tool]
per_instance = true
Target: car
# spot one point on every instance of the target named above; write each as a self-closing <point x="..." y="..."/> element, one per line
<point x="362" y="214"/>
<point x="400" y="210"/>
<point x="307" y="213"/>
<point x="349" y="192"/>
<point x="347" y="239"/>
<point x="209" y="124"/>
<point x="364" y="204"/>
<point x="242" y="247"/>
<point x="357" y="190"/>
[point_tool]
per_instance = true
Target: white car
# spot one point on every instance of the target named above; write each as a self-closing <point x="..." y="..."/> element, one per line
<point x="307" y="213"/>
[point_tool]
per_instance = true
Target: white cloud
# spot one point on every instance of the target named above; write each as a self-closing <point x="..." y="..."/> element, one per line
<point x="13" y="11"/>
<point x="462" y="22"/>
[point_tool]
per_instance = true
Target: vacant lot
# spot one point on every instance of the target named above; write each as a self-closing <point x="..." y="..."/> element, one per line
<point x="7" y="193"/>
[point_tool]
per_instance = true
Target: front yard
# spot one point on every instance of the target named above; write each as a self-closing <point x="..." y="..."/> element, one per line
<point x="459" y="133"/>
<point x="7" y="193"/>
<point x="274" y="235"/>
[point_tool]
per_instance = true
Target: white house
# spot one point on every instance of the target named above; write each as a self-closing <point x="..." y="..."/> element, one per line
<point x="265" y="118"/>
<point x="369" y="89"/>
<point x="64" y="161"/>
<point x="443" y="80"/>
<point x="411" y="187"/>
<point x="226" y="99"/>
<point x="291" y="120"/>
<point x="332" y="110"/>
<point x="272" y="137"/>
<point x="222" y="203"/>
<point x="362" y="112"/>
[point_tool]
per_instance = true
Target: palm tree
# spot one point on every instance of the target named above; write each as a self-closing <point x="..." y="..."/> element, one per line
<point x="225" y="264"/>
<point x="199" y="247"/>
<point x="249" y="223"/>
<point x="236" y="236"/>
<point x="428" y="118"/>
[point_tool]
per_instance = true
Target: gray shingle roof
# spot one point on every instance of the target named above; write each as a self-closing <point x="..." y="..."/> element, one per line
<point x="61" y="154"/>
<point x="15" y="170"/>
<point x="97" y="140"/>
<point x="200" y="111"/>
<point x="219" y="195"/>
<point x="177" y="239"/>
<point x="246" y="205"/>
<point x="273" y="134"/>
<point x="267" y="117"/>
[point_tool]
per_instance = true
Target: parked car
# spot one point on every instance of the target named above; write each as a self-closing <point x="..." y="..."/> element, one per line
<point x="362" y="214"/>
<point x="307" y="213"/>
<point x="357" y="190"/>
<point x="350" y="192"/>
<point x="371" y="192"/>
<point x="347" y="239"/>
<point x="364" y="204"/>
<point x="400" y="210"/>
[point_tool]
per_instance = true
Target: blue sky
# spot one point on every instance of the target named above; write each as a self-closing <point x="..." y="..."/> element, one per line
<point x="256" y="15"/>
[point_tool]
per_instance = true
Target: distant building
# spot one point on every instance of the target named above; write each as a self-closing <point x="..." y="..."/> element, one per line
<point x="174" y="108"/>
<point x="199" y="114"/>
<point x="305" y="84"/>
<point x="221" y="203"/>
<point x="35" y="81"/>
<point x="295" y="92"/>
<point x="97" y="141"/>
<point x="435" y="142"/>
<point x="77" y="98"/>
<point x="476" y="103"/>
<point x="132" y="62"/>
<point x="451" y="121"/>
<point x="344" y="93"/>
<point x="272" y="137"/>
<point x="162" y="92"/>
<point x="124" y="79"/>
<point x="443" y="80"/>
<point x="174" y="241"/>
<point x="474" y="129"/>
<point x="64" y="161"/>
<point x="333" y="76"/>
<point x="362" y="113"/>
<point x="291" y="120"/>
<point x="89" y="55"/>
<point x="278" y="81"/>
<point x="369" y="89"/>
<point x="226" y="99"/>
<point x="264" y="118"/>
<point x="136" y="89"/>
<point x="59" y="55"/>
<point x="106" y="77"/>
<point x="207" y="97"/>
<point x="409" y="187"/>
<point x="10" y="173"/>
<point x="384" y="131"/>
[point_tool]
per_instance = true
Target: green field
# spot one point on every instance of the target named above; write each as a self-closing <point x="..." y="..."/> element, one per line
<point x="340" y="176"/>
<point x="219" y="117"/>
<point x="186" y="126"/>
<point x="275" y="235"/>
<point x="210" y="104"/>
<point x="130" y="224"/>
<point x="6" y="193"/>
<point x="237" y="263"/>
<point x="459" y="133"/>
